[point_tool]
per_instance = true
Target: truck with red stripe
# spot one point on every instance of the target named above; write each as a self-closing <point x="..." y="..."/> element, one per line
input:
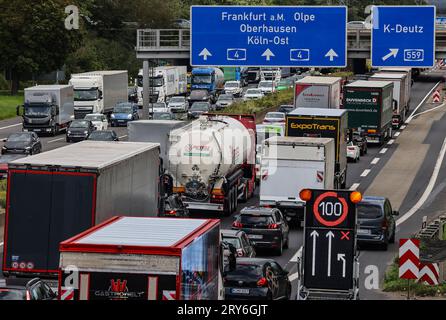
<point x="212" y="161"/>
<point x="140" y="258"/>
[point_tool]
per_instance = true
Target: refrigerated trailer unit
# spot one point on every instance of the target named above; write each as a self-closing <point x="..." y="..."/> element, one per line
<point x="291" y="164"/>
<point x="128" y="258"/>
<point x="55" y="195"/>
<point x="318" y="92"/>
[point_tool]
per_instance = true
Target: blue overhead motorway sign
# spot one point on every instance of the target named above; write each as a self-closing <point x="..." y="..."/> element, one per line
<point x="269" y="36"/>
<point x="403" y="36"/>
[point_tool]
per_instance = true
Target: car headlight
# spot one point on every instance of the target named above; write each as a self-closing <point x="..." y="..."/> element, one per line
<point x="112" y="116"/>
<point x="28" y="148"/>
<point x="85" y="132"/>
<point x="129" y="116"/>
<point x="69" y="132"/>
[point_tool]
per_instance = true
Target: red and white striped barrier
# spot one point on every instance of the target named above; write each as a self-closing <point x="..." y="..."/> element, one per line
<point x="429" y="274"/>
<point x="409" y="261"/>
<point x="436" y="97"/>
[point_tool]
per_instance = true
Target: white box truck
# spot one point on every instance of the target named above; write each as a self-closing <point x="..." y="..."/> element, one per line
<point x="290" y="164"/>
<point x="98" y="91"/>
<point x="167" y="81"/>
<point x="318" y="92"/>
<point x="47" y="109"/>
<point x="408" y="72"/>
<point x="400" y="95"/>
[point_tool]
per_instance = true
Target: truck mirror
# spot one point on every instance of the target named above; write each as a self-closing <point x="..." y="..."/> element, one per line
<point x="18" y="110"/>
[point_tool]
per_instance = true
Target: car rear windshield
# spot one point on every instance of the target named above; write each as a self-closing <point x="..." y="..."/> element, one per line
<point x="12" y="294"/>
<point x="101" y="136"/>
<point x="246" y="270"/>
<point x="275" y="115"/>
<point x="255" y="219"/>
<point x="369" y="211"/>
<point x="234" y="241"/>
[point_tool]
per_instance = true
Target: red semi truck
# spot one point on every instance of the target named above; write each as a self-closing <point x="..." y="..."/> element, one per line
<point x="137" y="258"/>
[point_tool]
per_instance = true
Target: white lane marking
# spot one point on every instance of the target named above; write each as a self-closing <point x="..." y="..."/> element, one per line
<point x="375" y="161"/>
<point x="403" y="127"/>
<point x="397" y="134"/>
<point x="390" y="142"/>
<point x="298" y="253"/>
<point x="421" y="103"/>
<point x="428" y="189"/>
<point x="294" y="276"/>
<point x="427" y="111"/>
<point x="11" y="126"/>
<point x="384" y="150"/>
<point x="354" y="187"/>
<point x="123" y="137"/>
<point x="52" y="141"/>
<point x="365" y="173"/>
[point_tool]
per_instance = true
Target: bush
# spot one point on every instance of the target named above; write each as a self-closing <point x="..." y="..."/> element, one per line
<point x="4" y="84"/>
<point x="256" y="106"/>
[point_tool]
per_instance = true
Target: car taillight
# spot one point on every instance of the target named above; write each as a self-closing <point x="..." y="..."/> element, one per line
<point x="273" y="226"/>
<point x="351" y="148"/>
<point x="171" y="212"/>
<point x="218" y="198"/>
<point x="237" y="224"/>
<point x="262" y="282"/>
<point x="28" y="296"/>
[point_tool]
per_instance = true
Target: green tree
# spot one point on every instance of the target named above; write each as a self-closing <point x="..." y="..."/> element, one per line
<point x="33" y="37"/>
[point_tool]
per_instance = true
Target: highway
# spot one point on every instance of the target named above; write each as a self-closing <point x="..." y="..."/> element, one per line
<point x="401" y="170"/>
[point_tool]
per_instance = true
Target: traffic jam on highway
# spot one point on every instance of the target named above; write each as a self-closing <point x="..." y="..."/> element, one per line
<point x="113" y="194"/>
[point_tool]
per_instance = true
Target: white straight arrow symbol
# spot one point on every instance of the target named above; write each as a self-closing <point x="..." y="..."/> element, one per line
<point x="393" y="52"/>
<point x="330" y="235"/>
<point x="205" y="54"/>
<point x="315" y="235"/>
<point x="341" y="256"/>
<point x="268" y="54"/>
<point x="332" y="54"/>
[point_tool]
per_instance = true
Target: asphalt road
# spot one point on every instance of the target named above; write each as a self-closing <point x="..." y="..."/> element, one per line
<point x="361" y="176"/>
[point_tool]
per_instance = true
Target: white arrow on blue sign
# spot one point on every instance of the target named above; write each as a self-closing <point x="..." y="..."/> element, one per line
<point x="403" y="36"/>
<point x="269" y="36"/>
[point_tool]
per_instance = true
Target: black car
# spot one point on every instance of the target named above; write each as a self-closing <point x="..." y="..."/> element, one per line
<point x="26" y="143"/>
<point x="162" y="116"/>
<point x="376" y="221"/>
<point x="34" y="289"/>
<point x="174" y="207"/>
<point x="240" y="241"/>
<point x="257" y="279"/>
<point x="286" y="108"/>
<point x="133" y="94"/>
<point x="79" y="130"/>
<point x="104" y="135"/>
<point x="200" y="96"/>
<point x="265" y="227"/>
<point x="360" y="140"/>
<point x="198" y="108"/>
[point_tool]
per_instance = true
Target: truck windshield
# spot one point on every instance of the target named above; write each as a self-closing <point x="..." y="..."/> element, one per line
<point x="37" y="110"/>
<point x="154" y="82"/>
<point x="86" y="94"/>
<point x="201" y="79"/>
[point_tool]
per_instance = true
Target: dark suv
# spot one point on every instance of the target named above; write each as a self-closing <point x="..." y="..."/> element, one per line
<point x="265" y="227"/>
<point x="376" y="221"/>
<point x="240" y="241"/>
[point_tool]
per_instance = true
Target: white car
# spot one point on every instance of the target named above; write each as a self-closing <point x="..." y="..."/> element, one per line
<point x="158" y="107"/>
<point x="274" y="117"/>
<point x="234" y="88"/>
<point x="178" y="104"/>
<point x="99" y="120"/>
<point x="253" y="94"/>
<point x="356" y="25"/>
<point x="353" y="152"/>
<point x="267" y="87"/>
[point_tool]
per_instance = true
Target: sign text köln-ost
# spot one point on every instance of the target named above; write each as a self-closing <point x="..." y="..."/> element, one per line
<point x="269" y="36"/>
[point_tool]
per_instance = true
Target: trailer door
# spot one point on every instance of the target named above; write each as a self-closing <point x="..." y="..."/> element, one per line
<point x="28" y="221"/>
<point x="72" y="210"/>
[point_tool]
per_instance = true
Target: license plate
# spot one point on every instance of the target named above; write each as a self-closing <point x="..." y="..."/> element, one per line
<point x="37" y="130"/>
<point x="255" y="236"/>
<point x="240" y="291"/>
<point x="364" y="231"/>
<point x="120" y="120"/>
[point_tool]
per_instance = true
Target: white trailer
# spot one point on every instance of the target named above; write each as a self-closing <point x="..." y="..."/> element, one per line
<point x="290" y="164"/>
<point x="98" y="91"/>
<point x="47" y="109"/>
<point x="318" y="92"/>
<point x="408" y="72"/>
<point x="167" y="81"/>
<point x="400" y="95"/>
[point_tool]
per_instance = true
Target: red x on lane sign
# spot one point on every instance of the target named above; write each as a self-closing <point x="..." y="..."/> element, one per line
<point x="345" y="235"/>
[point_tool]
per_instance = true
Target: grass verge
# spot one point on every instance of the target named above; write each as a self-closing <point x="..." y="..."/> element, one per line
<point x="8" y="105"/>
<point x="3" y="185"/>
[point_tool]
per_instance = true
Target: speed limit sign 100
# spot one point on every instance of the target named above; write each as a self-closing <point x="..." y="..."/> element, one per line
<point x="331" y="209"/>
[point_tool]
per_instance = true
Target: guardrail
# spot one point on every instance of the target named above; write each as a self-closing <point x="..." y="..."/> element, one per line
<point x="163" y="39"/>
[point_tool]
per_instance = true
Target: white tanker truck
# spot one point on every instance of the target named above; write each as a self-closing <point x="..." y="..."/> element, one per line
<point x="212" y="162"/>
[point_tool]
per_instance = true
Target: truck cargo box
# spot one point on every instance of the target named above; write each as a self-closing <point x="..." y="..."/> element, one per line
<point x="128" y="258"/>
<point x="318" y="92"/>
<point x="57" y="194"/>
